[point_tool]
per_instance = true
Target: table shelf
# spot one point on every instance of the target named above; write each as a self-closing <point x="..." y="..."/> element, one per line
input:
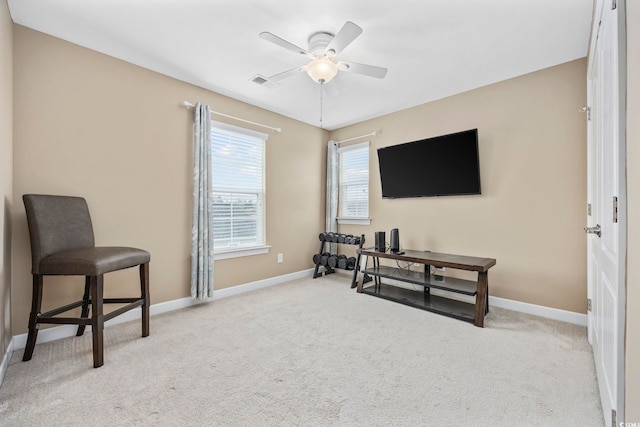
<point x="441" y="305"/>
<point x="450" y="284"/>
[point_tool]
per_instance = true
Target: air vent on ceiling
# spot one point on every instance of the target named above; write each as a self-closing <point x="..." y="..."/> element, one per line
<point x="263" y="81"/>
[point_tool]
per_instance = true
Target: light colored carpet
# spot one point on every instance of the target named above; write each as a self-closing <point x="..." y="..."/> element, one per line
<point x="313" y="353"/>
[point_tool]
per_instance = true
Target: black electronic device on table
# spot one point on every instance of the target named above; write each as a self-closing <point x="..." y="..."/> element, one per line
<point x="379" y="241"/>
<point x="394" y="244"/>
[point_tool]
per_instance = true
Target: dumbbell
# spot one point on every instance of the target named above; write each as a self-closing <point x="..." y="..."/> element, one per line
<point x="334" y="237"/>
<point x="335" y="260"/>
<point x="355" y="240"/>
<point x="342" y="262"/>
<point x="332" y="261"/>
<point x="322" y="236"/>
<point x="324" y="258"/>
<point x="341" y="238"/>
<point x="351" y="263"/>
<point x="317" y="258"/>
<point x="347" y="263"/>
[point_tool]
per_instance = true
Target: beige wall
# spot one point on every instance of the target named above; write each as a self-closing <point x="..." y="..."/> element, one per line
<point x="632" y="394"/>
<point x="531" y="212"/>
<point x="91" y="125"/>
<point x="6" y="176"/>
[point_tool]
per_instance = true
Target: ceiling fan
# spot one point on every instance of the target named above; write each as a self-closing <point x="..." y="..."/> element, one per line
<point x="324" y="47"/>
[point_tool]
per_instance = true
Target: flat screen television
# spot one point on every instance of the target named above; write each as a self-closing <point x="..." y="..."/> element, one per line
<point x="445" y="165"/>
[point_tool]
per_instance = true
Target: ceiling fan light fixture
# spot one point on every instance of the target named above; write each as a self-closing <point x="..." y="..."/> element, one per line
<point x="322" y="70"/>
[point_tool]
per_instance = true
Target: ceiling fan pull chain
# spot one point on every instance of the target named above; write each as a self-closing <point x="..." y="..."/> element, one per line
<point x="321" y="104"/>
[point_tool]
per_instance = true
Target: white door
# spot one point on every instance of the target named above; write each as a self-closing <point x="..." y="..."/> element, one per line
<point x="606" y="219"/>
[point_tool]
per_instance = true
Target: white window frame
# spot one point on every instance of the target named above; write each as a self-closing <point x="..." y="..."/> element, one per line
<point x="261" y="248"/>
<point x="353" y="220"/>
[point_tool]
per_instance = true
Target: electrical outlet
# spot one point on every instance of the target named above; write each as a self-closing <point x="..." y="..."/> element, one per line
<point x="280" y="258"/>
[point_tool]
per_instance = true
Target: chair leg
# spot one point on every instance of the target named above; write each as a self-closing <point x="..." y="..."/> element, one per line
<point x="36" y="304"/>
<point x="85" y="306"/>
<point x="97" y="319"/>
<point x="144" y="291"/>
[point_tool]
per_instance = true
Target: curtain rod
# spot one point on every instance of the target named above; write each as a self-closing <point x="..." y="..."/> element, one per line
<point x="190" y="105"/>
<point x="374" y="133"/>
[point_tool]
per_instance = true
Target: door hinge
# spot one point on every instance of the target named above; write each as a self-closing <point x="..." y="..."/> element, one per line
<point x="588" y="304"/>
<point x="613" y="417"/>
<point x="586" y="110"/>
<point x="614" y="4"/>
<point x="615" y="209"/>
<point x="589" y="209"/>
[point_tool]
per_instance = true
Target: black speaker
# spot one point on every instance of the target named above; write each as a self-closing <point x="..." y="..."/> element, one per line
<point x="395" y="241"/>
<point x="380" y="244"/>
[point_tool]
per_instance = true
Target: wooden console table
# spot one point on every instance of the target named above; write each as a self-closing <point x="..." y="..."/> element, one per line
<point x="424" y="300"/>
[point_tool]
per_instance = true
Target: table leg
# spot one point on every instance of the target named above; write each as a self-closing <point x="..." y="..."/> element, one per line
<point x="362" y="267"/>
<point x="481" y="300"/>
<point x="486" y="307"/>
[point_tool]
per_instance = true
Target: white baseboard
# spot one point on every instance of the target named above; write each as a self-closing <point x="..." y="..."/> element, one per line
<point x="5" y="361"/>
<point x="65" y="331"/>
<point x="252" y="286"/>
<point x="539" y="310"/>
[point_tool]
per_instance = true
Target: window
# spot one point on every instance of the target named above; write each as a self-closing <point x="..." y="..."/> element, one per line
<point x="354" y="184"/>
<point x="238" y="190"/>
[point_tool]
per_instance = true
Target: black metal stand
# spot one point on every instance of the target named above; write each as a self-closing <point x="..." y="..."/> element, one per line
<point x="327" y="269"/>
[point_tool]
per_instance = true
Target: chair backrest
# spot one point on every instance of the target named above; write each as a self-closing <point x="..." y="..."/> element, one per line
<point x="56" y="223"/>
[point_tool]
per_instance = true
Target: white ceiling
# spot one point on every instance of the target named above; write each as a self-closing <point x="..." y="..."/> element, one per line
<point x="432" y="48"/>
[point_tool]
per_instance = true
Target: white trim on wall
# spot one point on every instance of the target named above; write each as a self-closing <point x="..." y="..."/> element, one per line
<point x="5" y="361"/>
<point x="539" y="310"/>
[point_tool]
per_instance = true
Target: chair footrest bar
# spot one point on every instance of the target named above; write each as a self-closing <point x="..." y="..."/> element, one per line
<point x="48" y="316"/>
<point x="59" y="310"/>
<point x="120" y="300"/>
<point x="64" y="320"/>
<point x="124" y="309"/>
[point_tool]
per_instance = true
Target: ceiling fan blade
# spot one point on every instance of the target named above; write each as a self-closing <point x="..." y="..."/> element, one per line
<point x="283" y="75"/>
<point x="348" y="33"/>
<point x="367" y="70"/>
<point x="283" y="43"/>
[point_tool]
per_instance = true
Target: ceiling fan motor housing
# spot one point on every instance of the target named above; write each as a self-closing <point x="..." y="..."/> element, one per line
<point x="318" y="43"/>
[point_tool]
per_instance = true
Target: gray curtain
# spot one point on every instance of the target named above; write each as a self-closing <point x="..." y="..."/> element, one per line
<point x="332" y="192"/>
<point x="202" y="223"/>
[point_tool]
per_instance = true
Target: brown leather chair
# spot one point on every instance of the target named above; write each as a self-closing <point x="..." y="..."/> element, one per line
<point x="62" y="243"/>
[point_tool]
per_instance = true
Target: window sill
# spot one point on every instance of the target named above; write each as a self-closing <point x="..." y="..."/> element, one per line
<point x="240" y="252"/>
<point x="354" y="221"/>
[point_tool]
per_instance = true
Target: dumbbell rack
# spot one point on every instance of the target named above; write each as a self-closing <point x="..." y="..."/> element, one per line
<point x="340" y="239"/>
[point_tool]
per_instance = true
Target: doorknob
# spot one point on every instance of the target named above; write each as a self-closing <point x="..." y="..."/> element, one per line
<point x="593" y="230"/>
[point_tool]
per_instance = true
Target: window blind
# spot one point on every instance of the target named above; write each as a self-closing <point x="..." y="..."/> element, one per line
<point x="238" y="187"/>
<point x="354" y="181"/>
